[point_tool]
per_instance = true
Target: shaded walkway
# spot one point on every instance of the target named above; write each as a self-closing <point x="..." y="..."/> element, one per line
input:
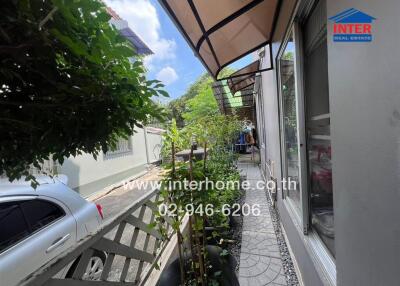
<point x="260" y="259"/>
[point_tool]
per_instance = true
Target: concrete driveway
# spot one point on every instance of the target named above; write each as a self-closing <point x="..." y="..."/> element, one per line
<point x="118" y="199"/>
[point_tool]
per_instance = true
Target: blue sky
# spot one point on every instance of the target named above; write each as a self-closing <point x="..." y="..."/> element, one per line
<point x="173" y="61"/>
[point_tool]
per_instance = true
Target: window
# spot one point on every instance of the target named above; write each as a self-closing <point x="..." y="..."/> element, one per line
<point x="289" y="120"/>
<point x="320" y="189"/>
<point x="20" y="219"/>
<point x="263" y="132"/>
<point x="13" y="227"/>
<point x="123" y="147"/>
<point x="260" y="119"/>
<point x="319" y="144"/>
<point x="40" y="213"/>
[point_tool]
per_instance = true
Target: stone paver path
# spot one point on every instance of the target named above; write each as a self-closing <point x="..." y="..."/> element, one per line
<point x="260" y="259"/>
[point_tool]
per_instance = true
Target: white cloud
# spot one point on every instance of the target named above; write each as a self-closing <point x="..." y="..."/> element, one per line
<point x="167" y="75"/>
<point x="143" y="20"/>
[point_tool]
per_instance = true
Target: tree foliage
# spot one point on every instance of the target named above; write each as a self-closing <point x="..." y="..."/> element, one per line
<point x="202" y="105"/>
<point x="201" y="87"/>
<point x="178" y="107"/>
<point x="67" y="84"/>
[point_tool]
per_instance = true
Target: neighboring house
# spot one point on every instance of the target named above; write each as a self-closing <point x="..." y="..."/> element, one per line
<point x="122" y="26"/>
<point x="131" y="156"/>
<point x="327" y="105"/>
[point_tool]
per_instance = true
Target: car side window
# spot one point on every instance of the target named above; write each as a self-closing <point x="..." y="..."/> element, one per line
<point x="40" y="213"/>
<point x="20" y="219"/>
<point x="13" y="226"/>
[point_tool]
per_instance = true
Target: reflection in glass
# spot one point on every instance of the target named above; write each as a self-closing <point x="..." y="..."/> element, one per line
<point x="319" y="144"/>
<point x="321" y="191"/>
<point x="288" y="91"/>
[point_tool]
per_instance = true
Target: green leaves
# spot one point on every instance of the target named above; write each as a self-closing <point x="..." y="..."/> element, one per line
<point x="224" y="252"/>
<point x="68" y="88"/>
<point x="202" y="105"/>
<point x="163" y="93"/>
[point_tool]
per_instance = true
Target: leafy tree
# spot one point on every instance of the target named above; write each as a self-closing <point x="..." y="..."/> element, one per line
<point x="173" y="134"/>
<point x="67" y="85"/>
<point x="202" y="105"/>
<point x="175" y="109"/>
<point x="178" y="107"/>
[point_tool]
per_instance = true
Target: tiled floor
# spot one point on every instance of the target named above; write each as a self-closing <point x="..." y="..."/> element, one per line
<point x="260" y="259"/>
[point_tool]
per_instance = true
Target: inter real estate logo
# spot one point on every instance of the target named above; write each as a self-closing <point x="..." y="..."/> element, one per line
<point x="352" y="25"/>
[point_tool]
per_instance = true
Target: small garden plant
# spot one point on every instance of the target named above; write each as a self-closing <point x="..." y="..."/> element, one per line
<point x="190" y="194"/>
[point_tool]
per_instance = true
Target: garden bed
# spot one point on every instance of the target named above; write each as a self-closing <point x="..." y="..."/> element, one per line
<point x="236" y="235"/>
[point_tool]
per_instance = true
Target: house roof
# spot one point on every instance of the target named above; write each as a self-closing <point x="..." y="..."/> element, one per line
<point x="140" y="47"/>
<point x="113" y="14"/>
<point x="352" y="16"/>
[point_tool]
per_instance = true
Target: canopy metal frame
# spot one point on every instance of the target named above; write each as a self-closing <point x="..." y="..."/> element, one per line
<point x="206" y="33"/>
<point x="244" y="77"/>
<point x="246" y="95"/>
<point x="246" y="86"/>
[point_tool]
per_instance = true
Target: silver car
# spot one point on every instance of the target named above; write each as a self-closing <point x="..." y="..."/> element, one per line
<point x="38" y="224"/>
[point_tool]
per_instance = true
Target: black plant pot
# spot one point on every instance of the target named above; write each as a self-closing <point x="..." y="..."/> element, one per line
<point x="234" y="221"/>
<point x="171" y="276"/>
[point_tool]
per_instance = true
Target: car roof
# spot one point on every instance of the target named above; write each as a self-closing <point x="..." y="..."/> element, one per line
<point x="22" y="183"/>
<point x="52" y="187"/>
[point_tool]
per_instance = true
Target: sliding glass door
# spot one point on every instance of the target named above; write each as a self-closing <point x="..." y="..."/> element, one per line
<point x="293" y="125"/>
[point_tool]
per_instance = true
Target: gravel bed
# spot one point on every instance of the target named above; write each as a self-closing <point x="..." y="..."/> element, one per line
<point x="288" y="267"/>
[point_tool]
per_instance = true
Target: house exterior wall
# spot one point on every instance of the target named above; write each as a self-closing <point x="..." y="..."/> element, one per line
<point x="364" y="92"/>
<point x="305" y="259"/>
<point x="87" y="175"/>
<point x="365" y="130"/>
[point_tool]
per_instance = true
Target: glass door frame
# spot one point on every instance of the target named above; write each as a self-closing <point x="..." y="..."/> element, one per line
<point x="303" y="215"/>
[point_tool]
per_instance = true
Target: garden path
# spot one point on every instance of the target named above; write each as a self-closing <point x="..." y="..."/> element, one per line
<point x="260" y="258"/>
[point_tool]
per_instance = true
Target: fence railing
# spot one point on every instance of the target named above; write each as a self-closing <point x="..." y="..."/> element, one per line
<point x="132" y="246"/>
